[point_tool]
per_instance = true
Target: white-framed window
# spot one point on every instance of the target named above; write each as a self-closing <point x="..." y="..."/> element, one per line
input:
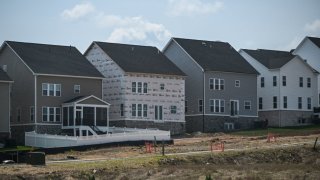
<point x="217" y="105"/>
<point x="262" y="82"/>
<point x="158" y="113"/>
<point x="285" y="102"/>
<point x="162" y="86"/>
<point x="139" y="110"/>
<point x="260" y="103"/>
<point x="300" y="81"/>
<point x="309" y="82"/>
<point x="173" y="109"/>
<point x="237" y="83"/>
<point x="275" y="102"/>
<point x="145" y="110"/>
<point x="284" y="80"/>
<point x="247" y="105"/>
<point x="228" y="126"/>
<point x="299" y="102"/>
<point x="200" y="105"/>
<point x="274" y="80"/>
<point x="309" y="102"/>
<point x="32" y="113"/>
<point x="218" y="84"/>
<point x="134" y="110"/>
<point x="121" y="110"/>
<point x="145" y="87"/>
<point x="49" y="89"/>
<point x="51" y="114"/>
<point x="211" y="83"/>
<point x="76" y="89"/>
<point x="134" y="87"/>
<point x="139" y="87"/>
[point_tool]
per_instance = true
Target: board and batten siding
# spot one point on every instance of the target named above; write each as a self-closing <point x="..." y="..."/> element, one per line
<point x="117" y="90"/>
<point x="194" y="80"/>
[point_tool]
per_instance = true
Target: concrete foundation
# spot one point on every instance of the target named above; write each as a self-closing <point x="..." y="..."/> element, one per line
<point x="286" y="118"/>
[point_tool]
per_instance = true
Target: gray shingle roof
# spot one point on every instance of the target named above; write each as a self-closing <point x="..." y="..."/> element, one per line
<point x="54" y="59"/>
<point x="216" y="56"/>
<point x="315" y="40"/>
<point x="271" y="59"/>
<point x="140" y="59"/>
<point x="4" y="76"/>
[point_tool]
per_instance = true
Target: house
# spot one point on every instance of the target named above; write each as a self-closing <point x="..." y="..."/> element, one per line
<point x="56" y="90"/>
<point x="309" y="50"/>
<point x="221" y="93"/>
<point x="287" y="87"/>
<point x="5" y="88"/>
<point x="146" y="89"/>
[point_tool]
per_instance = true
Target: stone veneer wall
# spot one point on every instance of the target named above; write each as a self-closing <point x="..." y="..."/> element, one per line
<point x="175" y="128"/>
<point x="288" y="118"/>
<point x="216" y="123"/>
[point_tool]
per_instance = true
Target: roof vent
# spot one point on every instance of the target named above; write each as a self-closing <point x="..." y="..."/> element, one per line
<point x="204" y="43"/>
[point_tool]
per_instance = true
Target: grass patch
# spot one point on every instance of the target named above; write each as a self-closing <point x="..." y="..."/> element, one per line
<point x="286" y="131"/>
<point x="18" y="148"/>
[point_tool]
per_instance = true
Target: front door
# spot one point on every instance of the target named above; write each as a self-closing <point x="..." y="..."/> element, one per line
<point x="234" y="107"/>
<point x="79" y="116"/>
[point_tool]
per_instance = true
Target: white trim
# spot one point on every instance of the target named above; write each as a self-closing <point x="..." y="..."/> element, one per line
<point x="70" y="76"/>
<point x="35" y="98"/>
<point x="225" y="115"/>
<point x="244" y="105"/>
<point x="31" y="124"/>
<point x="19" y="57"/>
<point x="3" y="81"/>
<point x="90" y="105"/>
<point x="149" y="120"/>
<point x="304" y="110"/>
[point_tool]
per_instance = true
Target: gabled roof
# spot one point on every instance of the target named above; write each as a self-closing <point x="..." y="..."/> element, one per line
<point x="216" y="56"/>
<point x="4" y="76"/>
<point x="54" y="59"/>
<point x="140" y="59"/>
<point x="271" y="59"/>
<point x="315" y="40"/>
<point x="79" y="99"/>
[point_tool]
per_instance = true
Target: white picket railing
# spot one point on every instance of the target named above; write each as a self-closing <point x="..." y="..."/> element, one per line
<point x="127" y="134"/>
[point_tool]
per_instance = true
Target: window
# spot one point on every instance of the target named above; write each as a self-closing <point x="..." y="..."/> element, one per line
<point x="185" y="106"/>
<point x="121" y="110"/>
<point x="228" y="126"/>
<point x="145" y="110"/>
<point x="200" y="105"/>
<point x="285" y="102"/>
<point x="51" y="89"/>
<point x="134" y="110"/>
<point x="139" y="110"/>
<point x="18" y="115"/>
<point x="5" y="68"/>
<point x="260" y="103"/>
<point x="275" y="103"/>
<point x="76" y="88"/>
<point x="274" y="80"/>
<point x="247" y="105"/>
<point x="216" y="84"/>
<point x="299" y="102"/>
<point x="173" y="109"/>
<point x="31" y="113"/>
<point x="237" y="83"/>
<point x="158" y="112"/>
<point x="309" y="82"/>
<point x="211" y="83"/>
<point x="161" y="86"/>
<point x="134" y="87"/>
<point x="139" y="87"/>
<point x="309" y="103"/>
<point x="145" y="87"/>
<point x="217" y="105"/>
<point x="284" y="80"/>
<point x="300" y="81"/>
<point x="221" y="84"/>
<point x="52" y="114"/>
<point x="262" y="81"/>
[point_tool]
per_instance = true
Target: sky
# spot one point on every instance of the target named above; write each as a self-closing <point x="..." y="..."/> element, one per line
<point x="251" y="24"/>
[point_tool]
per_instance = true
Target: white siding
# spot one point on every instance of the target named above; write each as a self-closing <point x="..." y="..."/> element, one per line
<point x="117" y="90"/>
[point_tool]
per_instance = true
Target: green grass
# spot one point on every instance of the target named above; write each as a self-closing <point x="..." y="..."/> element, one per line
<point x="18" y="148"/>
<point x="286" y="131"/>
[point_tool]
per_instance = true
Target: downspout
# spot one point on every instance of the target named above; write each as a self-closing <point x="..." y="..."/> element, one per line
<point x="35" y="103"/>
<point x="279" y="106"/>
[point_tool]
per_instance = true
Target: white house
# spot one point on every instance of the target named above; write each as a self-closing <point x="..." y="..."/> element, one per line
<point x="146" y="89"/>
<point x="287" y="87"/>
<point x="309" y="50"/>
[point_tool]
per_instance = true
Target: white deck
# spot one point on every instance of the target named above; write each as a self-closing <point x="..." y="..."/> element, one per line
<point x="119" y="135"/>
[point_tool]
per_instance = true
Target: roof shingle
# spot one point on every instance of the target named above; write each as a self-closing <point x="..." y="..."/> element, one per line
<point x="271" y="59"/>
<point x="216" y="56"/>
<point x="140" y="59"/>
<point x="54" y="59"/>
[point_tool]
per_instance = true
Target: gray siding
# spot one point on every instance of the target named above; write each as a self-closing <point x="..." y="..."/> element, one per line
<point x="246" y="92"/>
<point x="194" y="79"/>
<point x="23" y="87"/>
<point x="87" y="87"/>
<point x="4" y="107"/>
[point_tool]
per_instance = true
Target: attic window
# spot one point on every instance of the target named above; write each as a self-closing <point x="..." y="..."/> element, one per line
<point x="204" y="43"/>
<point x="4" y="67"/>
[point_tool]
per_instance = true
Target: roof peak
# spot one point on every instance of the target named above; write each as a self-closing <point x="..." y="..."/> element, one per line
<point x="124" y="44"/>
<point x="40" y="44"/>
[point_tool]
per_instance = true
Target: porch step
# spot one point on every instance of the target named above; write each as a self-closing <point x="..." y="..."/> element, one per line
<point x="97" y="130"/>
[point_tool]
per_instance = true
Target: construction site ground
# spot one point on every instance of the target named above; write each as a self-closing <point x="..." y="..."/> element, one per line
<point x="190" y="157"/>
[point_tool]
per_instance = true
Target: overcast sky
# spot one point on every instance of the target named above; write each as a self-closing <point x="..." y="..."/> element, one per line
<point x="268" y="24"/>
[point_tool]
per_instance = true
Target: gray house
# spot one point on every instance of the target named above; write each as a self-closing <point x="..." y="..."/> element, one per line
<point x="5" y="88"/>
<point x="55" y="89"/>
<point x="221" y="86"/>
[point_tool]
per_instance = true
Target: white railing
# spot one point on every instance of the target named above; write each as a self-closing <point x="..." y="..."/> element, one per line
<point x="131" y="134"/>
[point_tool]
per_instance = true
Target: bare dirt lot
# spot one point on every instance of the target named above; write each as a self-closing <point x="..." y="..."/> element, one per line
<point x="244" y="157"/>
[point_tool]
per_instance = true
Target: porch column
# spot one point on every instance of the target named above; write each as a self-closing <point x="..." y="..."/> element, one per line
<point x="95" y="116"/>
<point x="108" y="119"/>
<point x="74" y="119"/>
